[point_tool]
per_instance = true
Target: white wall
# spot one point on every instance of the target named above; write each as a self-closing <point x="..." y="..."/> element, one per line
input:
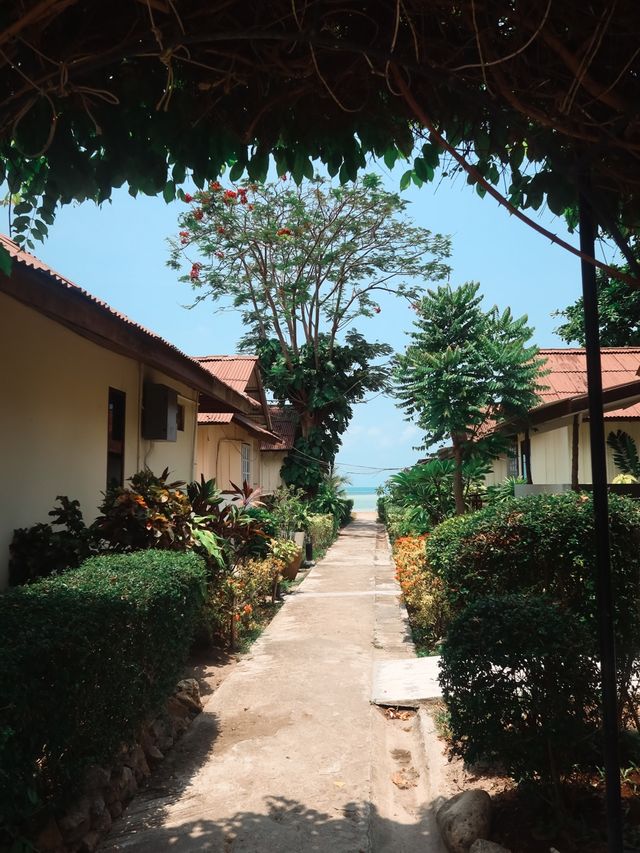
<point x="218" y="454"/>
<point x="271" y="464"/>
<point x="53" y="425"/>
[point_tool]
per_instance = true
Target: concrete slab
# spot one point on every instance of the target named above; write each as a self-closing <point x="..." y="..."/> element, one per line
<point x="406" y="682"/>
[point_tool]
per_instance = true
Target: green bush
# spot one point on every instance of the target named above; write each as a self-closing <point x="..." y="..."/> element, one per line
<point x="85" y="657"/>
<point x="405" y="520"/>
<point x="521" y="687"/>
<point x="40" y="551"/>
<point x="544" y="545"/>
<point x="321" y="530"/>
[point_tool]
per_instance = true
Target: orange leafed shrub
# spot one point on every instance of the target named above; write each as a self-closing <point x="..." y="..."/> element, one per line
<point x="421" y="589"/>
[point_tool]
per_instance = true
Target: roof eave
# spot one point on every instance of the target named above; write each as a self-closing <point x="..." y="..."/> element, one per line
<point x="71" y="307"/>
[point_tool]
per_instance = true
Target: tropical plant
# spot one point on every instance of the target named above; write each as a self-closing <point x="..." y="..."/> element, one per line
<point x="288" y="510"/>
<point x="465" y="370"/>
<point x="331" y="499"/>
<point x="285" y="550"/>
<point x="425" y="490"/>
<point x="501" y="492"/>
<point x="149" y="513"/>
<point x="40" y="551"/>
<point x="625" y="453"/>
<point x="301" y="264"/>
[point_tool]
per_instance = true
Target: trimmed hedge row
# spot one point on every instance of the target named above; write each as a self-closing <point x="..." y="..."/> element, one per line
<point x="519" y="662"/>
<point x="85" y="657"/>
<point x="322" y="530"/>
<point x="543" y="545"/>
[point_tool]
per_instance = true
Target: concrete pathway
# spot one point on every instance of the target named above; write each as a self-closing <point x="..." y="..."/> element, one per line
<point x="289" y="754"/>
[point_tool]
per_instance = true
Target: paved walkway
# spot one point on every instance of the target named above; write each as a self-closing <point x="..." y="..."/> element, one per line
<point x="289" y="754"/>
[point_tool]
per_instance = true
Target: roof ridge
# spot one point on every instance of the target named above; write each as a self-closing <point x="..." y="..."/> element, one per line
<point x="225" y="357"/>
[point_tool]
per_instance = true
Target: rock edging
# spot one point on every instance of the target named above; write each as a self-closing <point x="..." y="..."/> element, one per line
<point x="106" y="791"/>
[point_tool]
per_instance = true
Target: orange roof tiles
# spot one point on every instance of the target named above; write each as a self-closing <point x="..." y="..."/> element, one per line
<point x="567" y="376"/>
<point x="284" y="423"/>
<point x="235" y="370"/>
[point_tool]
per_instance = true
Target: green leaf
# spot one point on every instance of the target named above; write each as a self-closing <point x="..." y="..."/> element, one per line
<point x="390" y="157"/>
<point x="178" y="173"/>
<point x="23" y="207"/>
<point x="169" y="191"/>
<point x="405" y="180"/>
<point x="236" y="171"/>
<point x="5" y="261"/>
<point x="423" y="170"/>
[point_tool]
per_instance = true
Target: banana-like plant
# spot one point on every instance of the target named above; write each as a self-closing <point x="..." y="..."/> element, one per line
<point x="625" y="452"/>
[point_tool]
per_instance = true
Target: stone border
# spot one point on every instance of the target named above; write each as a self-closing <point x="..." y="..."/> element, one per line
<point x="106" y="791"/>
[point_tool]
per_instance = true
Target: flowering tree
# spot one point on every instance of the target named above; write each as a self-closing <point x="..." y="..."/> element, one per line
<point x="303" y="263"/>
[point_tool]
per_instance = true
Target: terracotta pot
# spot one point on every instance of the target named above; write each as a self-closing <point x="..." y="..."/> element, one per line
<point x="292" y="568"/>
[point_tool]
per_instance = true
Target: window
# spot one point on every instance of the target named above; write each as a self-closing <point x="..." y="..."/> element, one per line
<point x="524" y="458"/>
<point x="115" y="437"/>
<point x="180" y="418"/>
<point x="512" y="460"/>
<point x="246" y="463"/>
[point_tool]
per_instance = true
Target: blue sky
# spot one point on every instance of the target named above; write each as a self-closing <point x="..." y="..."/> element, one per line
<point x="118" y="252"/>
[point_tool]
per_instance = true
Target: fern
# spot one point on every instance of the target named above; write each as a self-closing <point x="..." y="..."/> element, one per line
<point x="625" y="452"/>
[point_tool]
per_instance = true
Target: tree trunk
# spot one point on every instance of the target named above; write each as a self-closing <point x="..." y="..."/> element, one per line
<point x="458" y="486"/>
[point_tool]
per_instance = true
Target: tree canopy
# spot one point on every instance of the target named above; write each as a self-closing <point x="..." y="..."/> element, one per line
<point x="618" y="312"/>
<point x="464" y="371"/>
<point x="302" y="263"/>
<point x="94" y="95"/>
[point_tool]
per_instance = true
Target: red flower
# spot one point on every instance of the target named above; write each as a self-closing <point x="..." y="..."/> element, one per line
<point x="184" y="233"/>
<point x="230" y="194"/>
<point x="195" y="271"/>
<point x="243" y="199"/>
<point x="220" y="255"/>
<point x="188" y="198"/>
<point x="215" y="185"/>
<point x="284" y="232"/>
<point x="250" y="207"/>
<point x="377" y="309"/>
<point x="198" y="214"/>
<point x="283" y="177"/>
<point x="220" y="229"/>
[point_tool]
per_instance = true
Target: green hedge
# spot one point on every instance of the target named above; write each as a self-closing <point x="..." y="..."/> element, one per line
<point x="521" y="687"/>
<point x="542" y="544"/>
<point x="85" y="657"/>
<point x="322" y="530"/>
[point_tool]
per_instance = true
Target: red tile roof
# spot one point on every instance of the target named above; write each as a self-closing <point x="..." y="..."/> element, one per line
<point x="213" y="418"/>
<point x="285" y="422"/>
<point x="567" y="375"/>
<point x="235" y="371"/>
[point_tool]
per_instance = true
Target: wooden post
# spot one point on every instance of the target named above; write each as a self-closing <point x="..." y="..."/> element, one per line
<point x="575" y="447"/>
<point x="601" y="531"/>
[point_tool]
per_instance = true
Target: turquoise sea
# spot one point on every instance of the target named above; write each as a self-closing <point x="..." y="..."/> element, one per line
<point x="364" y="498"/>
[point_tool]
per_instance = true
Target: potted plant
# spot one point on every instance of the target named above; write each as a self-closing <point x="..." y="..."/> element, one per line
<point x="288" y="553"/>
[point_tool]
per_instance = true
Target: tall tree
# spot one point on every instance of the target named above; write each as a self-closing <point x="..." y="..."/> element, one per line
<point x="464" y="370"/>
<point x="618" y="312"/>
<point x="302" y="263"/>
